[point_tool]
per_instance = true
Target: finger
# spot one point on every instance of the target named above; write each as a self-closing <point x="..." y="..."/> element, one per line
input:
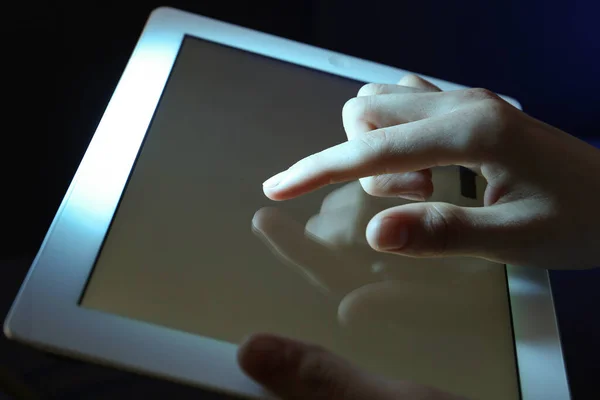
<point x="295" y="370"/>
<point x="442" y="229"/>
<point x="292" y="370"/>
<point x="338" y="228"/>
<point x="408" y="84"/>
<point x="365" y="113"/>
<point x="417" y="82"/>
<point x="389" y="301"/>
<point x="361" y="115"/>
<point x="389" y="185"/>
<point x="410" y="147"/>
<point x="285" y="236"/>
<point x="286" y="239"/>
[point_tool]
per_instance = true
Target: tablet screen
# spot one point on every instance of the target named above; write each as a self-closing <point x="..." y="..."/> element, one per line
<point x="196" y="246"/>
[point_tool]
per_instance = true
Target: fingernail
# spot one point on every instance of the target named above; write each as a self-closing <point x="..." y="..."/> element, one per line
<point x="274" y="180"/>
<point x="388" y="234"/>
<point x="413" y="196"/>
<point x="262" y="356"/>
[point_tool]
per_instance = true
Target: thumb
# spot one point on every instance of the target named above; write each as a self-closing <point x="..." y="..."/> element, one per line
<point x="442" y="229"/>
<point x="295" y="370"/>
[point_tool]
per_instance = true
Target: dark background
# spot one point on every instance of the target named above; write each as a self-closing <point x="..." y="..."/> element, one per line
<point x="61" y="63"/>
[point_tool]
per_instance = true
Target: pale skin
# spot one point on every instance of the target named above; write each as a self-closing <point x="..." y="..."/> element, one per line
<point x="536" y="211"/>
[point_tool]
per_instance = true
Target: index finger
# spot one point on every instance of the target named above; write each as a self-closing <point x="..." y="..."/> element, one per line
<point x="414" y="146"/>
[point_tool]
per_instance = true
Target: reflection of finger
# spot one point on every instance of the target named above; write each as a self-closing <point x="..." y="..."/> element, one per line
<point x="392" y="303"/>
<point x="412" y="306"/>
<point x="341" y="227"/>
<point x="437" y="270"/>
<point x="286" y="238"/>
<point x="417" y="82"/>
<point x="319" y="264"/>
<point x="350" y="195"/>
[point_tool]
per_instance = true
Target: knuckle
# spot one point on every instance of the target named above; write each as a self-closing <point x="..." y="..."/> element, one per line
<point x="489" y="128"/>
<point x="479" y="94"/>
<point x="378" y="185"/>
<point x="410" y="79"/>
<point x="496" y="110"/>
<point x="371" y="89"/>
<point x="356" y="108"/>
<point x="361" y="109"/>
<point x="443" y="226"/>
<point x="351" y="107"/>
<point x="378" y="142"/>
<point x="495" y="128"/>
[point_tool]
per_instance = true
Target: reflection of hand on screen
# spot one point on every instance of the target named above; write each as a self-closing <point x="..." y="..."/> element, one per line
<point x="371" y="287"/>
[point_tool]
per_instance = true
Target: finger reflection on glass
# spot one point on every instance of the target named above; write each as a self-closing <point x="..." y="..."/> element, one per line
<point x="330" y="270"/>
<point x="371" y="287"/>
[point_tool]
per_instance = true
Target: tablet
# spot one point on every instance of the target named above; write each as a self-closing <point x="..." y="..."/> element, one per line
<point x="165" y="253"/>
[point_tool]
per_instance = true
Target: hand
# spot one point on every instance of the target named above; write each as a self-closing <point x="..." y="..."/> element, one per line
<point x="543" y="187"/>
<point x="292" y="370"/>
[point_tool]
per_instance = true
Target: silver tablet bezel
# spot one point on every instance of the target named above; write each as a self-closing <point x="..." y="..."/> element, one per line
<point x="46" y="313"/>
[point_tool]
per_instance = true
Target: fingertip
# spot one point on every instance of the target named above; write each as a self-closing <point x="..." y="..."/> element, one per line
<point x="274" y="187"/>
<point x="273" y="181"/>
<point x="288" y="185"/>
<point x="371" y="233"/>
<point x="272" y="194"/>
<point x="313" y="224"/>
<point x="242" y="350"/>
<point x="263" y="213"/>
<point x="260" y="355"/>
<point x="291" y="189"/>
<point x="265" y="218"/>
<point x="387" y="234"/>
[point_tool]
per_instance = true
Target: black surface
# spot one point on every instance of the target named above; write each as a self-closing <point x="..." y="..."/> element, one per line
<point x="61" y="62"/>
